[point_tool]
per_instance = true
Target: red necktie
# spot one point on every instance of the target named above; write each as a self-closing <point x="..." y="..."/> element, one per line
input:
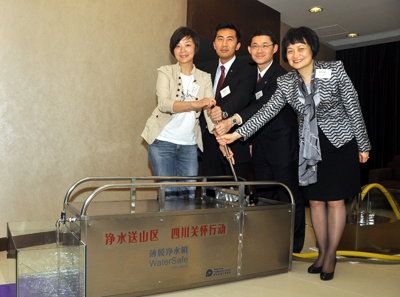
<point x="259" y="77"/>
<point x="220" y="81"/>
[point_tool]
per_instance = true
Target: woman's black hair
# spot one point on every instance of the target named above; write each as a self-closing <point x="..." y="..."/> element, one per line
<point x="181" y="33"/>
<point x="300" y="35"/>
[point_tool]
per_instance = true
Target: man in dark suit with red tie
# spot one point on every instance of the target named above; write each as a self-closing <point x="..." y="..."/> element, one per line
<point x="233" y="83"/>
<point x="275" y="146"/>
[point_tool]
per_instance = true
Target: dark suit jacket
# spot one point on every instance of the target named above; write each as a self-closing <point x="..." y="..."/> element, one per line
<point x="241" y="82"/>
<point x="279" y="136"/>
<point x="338" y="114"/>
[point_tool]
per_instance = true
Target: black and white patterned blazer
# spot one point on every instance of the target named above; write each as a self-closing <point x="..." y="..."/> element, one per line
<point x="338" y="113"/>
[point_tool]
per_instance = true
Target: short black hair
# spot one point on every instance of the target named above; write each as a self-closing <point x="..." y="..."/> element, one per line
<point x="181" y="33"/>
<point x="301" y="35"/>
<point x="262" y="32"/>
<point x="228" y="26"/>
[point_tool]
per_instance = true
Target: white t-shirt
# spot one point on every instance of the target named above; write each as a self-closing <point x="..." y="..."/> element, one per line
<point x="180" y="129"/>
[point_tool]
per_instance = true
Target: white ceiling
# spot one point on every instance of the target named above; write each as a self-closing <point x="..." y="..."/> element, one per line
<point x="377" y="21"/>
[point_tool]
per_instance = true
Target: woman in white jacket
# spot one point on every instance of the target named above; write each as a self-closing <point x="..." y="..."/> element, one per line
<point x="173" y="131"/>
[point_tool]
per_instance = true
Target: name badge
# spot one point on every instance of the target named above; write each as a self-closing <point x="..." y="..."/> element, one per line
<point x="259" y="94"/>
<point x="225" y="91"/>
<point x="323" y="73"/>
<point x="194" y="90"/>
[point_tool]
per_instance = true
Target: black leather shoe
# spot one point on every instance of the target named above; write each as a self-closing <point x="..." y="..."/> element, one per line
<point x="314" y="269"/>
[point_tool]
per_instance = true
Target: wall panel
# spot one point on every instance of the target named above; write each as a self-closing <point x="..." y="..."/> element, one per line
<point x="248" y="15"/>
<point x="77" y="83"/>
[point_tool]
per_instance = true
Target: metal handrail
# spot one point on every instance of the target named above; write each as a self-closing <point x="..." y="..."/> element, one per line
<point x="120" y="178"/>
<point x="88" y="179"/>
<point x="101" y="189"/>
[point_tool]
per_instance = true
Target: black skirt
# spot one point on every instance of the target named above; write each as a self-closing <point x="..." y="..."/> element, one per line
<point x="338" y="174"/>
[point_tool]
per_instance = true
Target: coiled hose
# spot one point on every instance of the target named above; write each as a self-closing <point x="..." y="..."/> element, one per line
<point x="358" y="254"/>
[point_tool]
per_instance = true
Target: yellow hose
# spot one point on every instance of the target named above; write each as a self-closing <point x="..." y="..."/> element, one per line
<point x="385" y="192"/>
<point x="313" y="255"/>
<point x="358" y="254"/>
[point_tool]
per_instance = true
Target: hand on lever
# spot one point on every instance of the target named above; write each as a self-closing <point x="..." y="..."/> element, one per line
<point x="203" y="103"/>
<point x="223" y="127"/>
<point x="228" y="138"/>
<point x="215" y="114"/>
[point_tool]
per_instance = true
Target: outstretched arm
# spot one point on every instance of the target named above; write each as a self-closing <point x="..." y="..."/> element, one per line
<point x="264" y="115"/>
<point x="197" y="105"/>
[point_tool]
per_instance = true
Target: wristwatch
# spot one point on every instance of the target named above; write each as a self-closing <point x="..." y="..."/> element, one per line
<point x="234" y="121"/>
<point x="225" y="115"/>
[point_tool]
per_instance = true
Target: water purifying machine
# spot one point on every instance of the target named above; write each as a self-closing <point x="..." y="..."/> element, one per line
<point x="133" y="247"/>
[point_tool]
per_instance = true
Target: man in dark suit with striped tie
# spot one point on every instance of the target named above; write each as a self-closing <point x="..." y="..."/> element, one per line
<point x="233" y="83"/>
<point x="275" y="146"/>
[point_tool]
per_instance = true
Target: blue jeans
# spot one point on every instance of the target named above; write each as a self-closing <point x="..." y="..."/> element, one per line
<point x="170" y="159"/>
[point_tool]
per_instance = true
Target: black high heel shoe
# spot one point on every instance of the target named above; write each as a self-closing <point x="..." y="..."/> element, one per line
<point x="326" y="276"/>
<point x="314" y="269"/>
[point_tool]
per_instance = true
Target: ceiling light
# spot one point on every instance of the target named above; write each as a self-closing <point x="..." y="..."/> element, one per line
<point x="352" y="35"/>
<point x="315" y="9"/>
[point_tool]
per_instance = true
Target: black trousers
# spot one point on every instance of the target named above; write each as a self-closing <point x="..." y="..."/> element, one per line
<point x="220" y="166"/>
<point x="213" y="163"/>
<point x="281" y="167"/>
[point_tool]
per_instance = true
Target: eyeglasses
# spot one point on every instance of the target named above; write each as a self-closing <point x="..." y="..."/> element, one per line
<point x="260" y="46"/>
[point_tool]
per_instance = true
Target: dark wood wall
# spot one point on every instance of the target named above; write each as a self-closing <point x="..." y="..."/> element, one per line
<point x="248" y="15"/>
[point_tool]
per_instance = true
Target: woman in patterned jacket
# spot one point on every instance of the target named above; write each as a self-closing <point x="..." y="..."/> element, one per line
<point x="333" y="137"/>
